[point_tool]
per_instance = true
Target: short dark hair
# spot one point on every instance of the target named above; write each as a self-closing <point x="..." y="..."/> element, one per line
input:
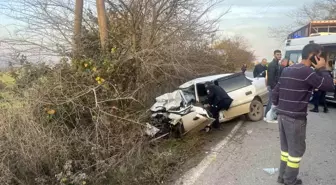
<point x="324" y="54"/>
<point x="277" y="51"/>
<point x="311" y="49"/>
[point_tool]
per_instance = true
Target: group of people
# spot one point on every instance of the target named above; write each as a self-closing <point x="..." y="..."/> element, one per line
<point x="272" y="73"/>
<point x="261" y="68"/>
<point x="290" y="88"/>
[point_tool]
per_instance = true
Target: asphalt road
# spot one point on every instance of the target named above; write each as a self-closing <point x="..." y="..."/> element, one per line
<point x="249" y="74"/>
<point x="256" y="146"/>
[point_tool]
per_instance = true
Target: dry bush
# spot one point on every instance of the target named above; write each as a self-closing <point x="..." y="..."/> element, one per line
<point x="70" y="127"/>
<point x="73" y="130"/>
<point x="234" y="52"/>
<point x="2" y="85"/>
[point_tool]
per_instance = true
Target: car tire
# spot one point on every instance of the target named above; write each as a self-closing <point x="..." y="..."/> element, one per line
<point x="256" y="110"/>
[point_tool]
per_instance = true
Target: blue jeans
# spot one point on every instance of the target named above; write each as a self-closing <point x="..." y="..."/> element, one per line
<point x="269" y="104"/>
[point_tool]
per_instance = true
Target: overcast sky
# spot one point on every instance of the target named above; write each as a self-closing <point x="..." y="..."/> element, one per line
<point x="249" y="18"/>
<point x="253" y="18"/>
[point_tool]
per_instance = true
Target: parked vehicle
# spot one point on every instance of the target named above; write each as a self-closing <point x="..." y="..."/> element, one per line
<point x="183" y="110"/>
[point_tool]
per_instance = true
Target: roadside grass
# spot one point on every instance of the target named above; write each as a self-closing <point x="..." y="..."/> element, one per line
<point x="160" y="162"/>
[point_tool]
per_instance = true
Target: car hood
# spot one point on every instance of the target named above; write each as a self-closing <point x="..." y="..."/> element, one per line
<point x="168" y="101"/>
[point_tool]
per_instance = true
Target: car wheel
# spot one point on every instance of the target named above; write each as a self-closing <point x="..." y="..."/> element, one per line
<point x="256" y="110"/>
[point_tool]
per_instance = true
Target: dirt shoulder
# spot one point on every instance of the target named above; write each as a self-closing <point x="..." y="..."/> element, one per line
<point x="205" y="141"/>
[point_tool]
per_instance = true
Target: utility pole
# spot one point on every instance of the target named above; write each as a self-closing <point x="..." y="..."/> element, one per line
<point x="102" y="21"/>
<point x="78" y="27"/>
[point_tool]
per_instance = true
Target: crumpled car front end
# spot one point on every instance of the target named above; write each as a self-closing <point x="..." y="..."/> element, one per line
<point x="172" y="114"/>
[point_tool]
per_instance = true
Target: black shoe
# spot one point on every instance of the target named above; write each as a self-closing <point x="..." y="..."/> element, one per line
<point x="326" y="110"/>
<point x="216" y="126"/>
<point x="298" y="182"/>
<point x="280" y="180"/>
<point x="314" y="110"/>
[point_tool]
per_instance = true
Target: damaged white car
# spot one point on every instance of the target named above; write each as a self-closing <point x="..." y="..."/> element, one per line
<point x="183" y="111"/>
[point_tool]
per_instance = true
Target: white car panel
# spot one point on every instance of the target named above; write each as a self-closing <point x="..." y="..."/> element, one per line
<point x="195" y="121"/>
<point x="261" y="88"/>
<point x="241" y="102"/>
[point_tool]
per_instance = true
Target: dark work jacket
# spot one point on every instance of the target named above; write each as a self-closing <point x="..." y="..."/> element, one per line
<point x="259" y="71"/>
<point x="291" y="95"/>
<point x="281" y="68"/>
<point x="217" y="96"/>
<point x="273" y="71"/>
<point x="321" y="72"/>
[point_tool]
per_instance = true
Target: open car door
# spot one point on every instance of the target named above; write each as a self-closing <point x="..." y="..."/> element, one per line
<point x="197" y="119"/>
<point x="241" y="90"/>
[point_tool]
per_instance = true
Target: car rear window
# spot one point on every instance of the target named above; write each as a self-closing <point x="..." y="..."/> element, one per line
<point x="234" y="83"/>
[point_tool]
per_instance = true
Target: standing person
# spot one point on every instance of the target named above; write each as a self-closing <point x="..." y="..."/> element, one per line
<point x="218" y="100"/>
<point x="272" y="77"/>
<point x="260" y="69"/>
<point x="244" y="68"/>
<point x="320" y="95"/>
<point x="291" y="97"/>
<point x="284" y="63"/>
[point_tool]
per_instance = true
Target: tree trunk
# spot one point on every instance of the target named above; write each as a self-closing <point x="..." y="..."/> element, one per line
<point x="78" y="28"/>
<point x="102" y="21"/>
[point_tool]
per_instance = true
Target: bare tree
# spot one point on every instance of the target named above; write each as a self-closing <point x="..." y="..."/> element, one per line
<point x="102" y="21"/>
<point x="78" y="27"/>
<point x="318" y="10"/>
<point x="45" y="27"/>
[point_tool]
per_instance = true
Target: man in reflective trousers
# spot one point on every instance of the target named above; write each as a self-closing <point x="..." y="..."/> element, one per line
<point x="291" y="96"/>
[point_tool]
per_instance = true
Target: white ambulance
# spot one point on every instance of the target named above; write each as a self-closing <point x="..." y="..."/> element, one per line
<point x="293" y="50"/>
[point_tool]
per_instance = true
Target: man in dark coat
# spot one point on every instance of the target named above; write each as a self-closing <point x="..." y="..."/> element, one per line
<point x="260" y="69"/>
<point x="273" y="71"/>
<point x="218" y="100"/>
<point x="319" y="95"/>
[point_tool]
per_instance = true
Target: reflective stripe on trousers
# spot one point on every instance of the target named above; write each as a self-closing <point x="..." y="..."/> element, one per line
<point x="293" y="162"/>
<point x="293" y="146"/>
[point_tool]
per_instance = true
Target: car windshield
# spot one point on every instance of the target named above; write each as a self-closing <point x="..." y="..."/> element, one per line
<point x="189" y="94"/>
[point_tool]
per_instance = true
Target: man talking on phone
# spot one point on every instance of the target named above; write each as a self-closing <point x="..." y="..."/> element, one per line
<point x="291" y="96"/>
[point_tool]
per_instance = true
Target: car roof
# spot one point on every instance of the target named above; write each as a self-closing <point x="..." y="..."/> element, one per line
<point x="203" y="80"/>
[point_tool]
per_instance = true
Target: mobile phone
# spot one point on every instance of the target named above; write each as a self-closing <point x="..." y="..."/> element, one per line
<point x="313" y="60"/>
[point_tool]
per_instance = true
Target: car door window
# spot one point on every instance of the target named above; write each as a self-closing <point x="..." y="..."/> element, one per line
<point x="294" y="57"/>
<point x="234" y="83"/>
